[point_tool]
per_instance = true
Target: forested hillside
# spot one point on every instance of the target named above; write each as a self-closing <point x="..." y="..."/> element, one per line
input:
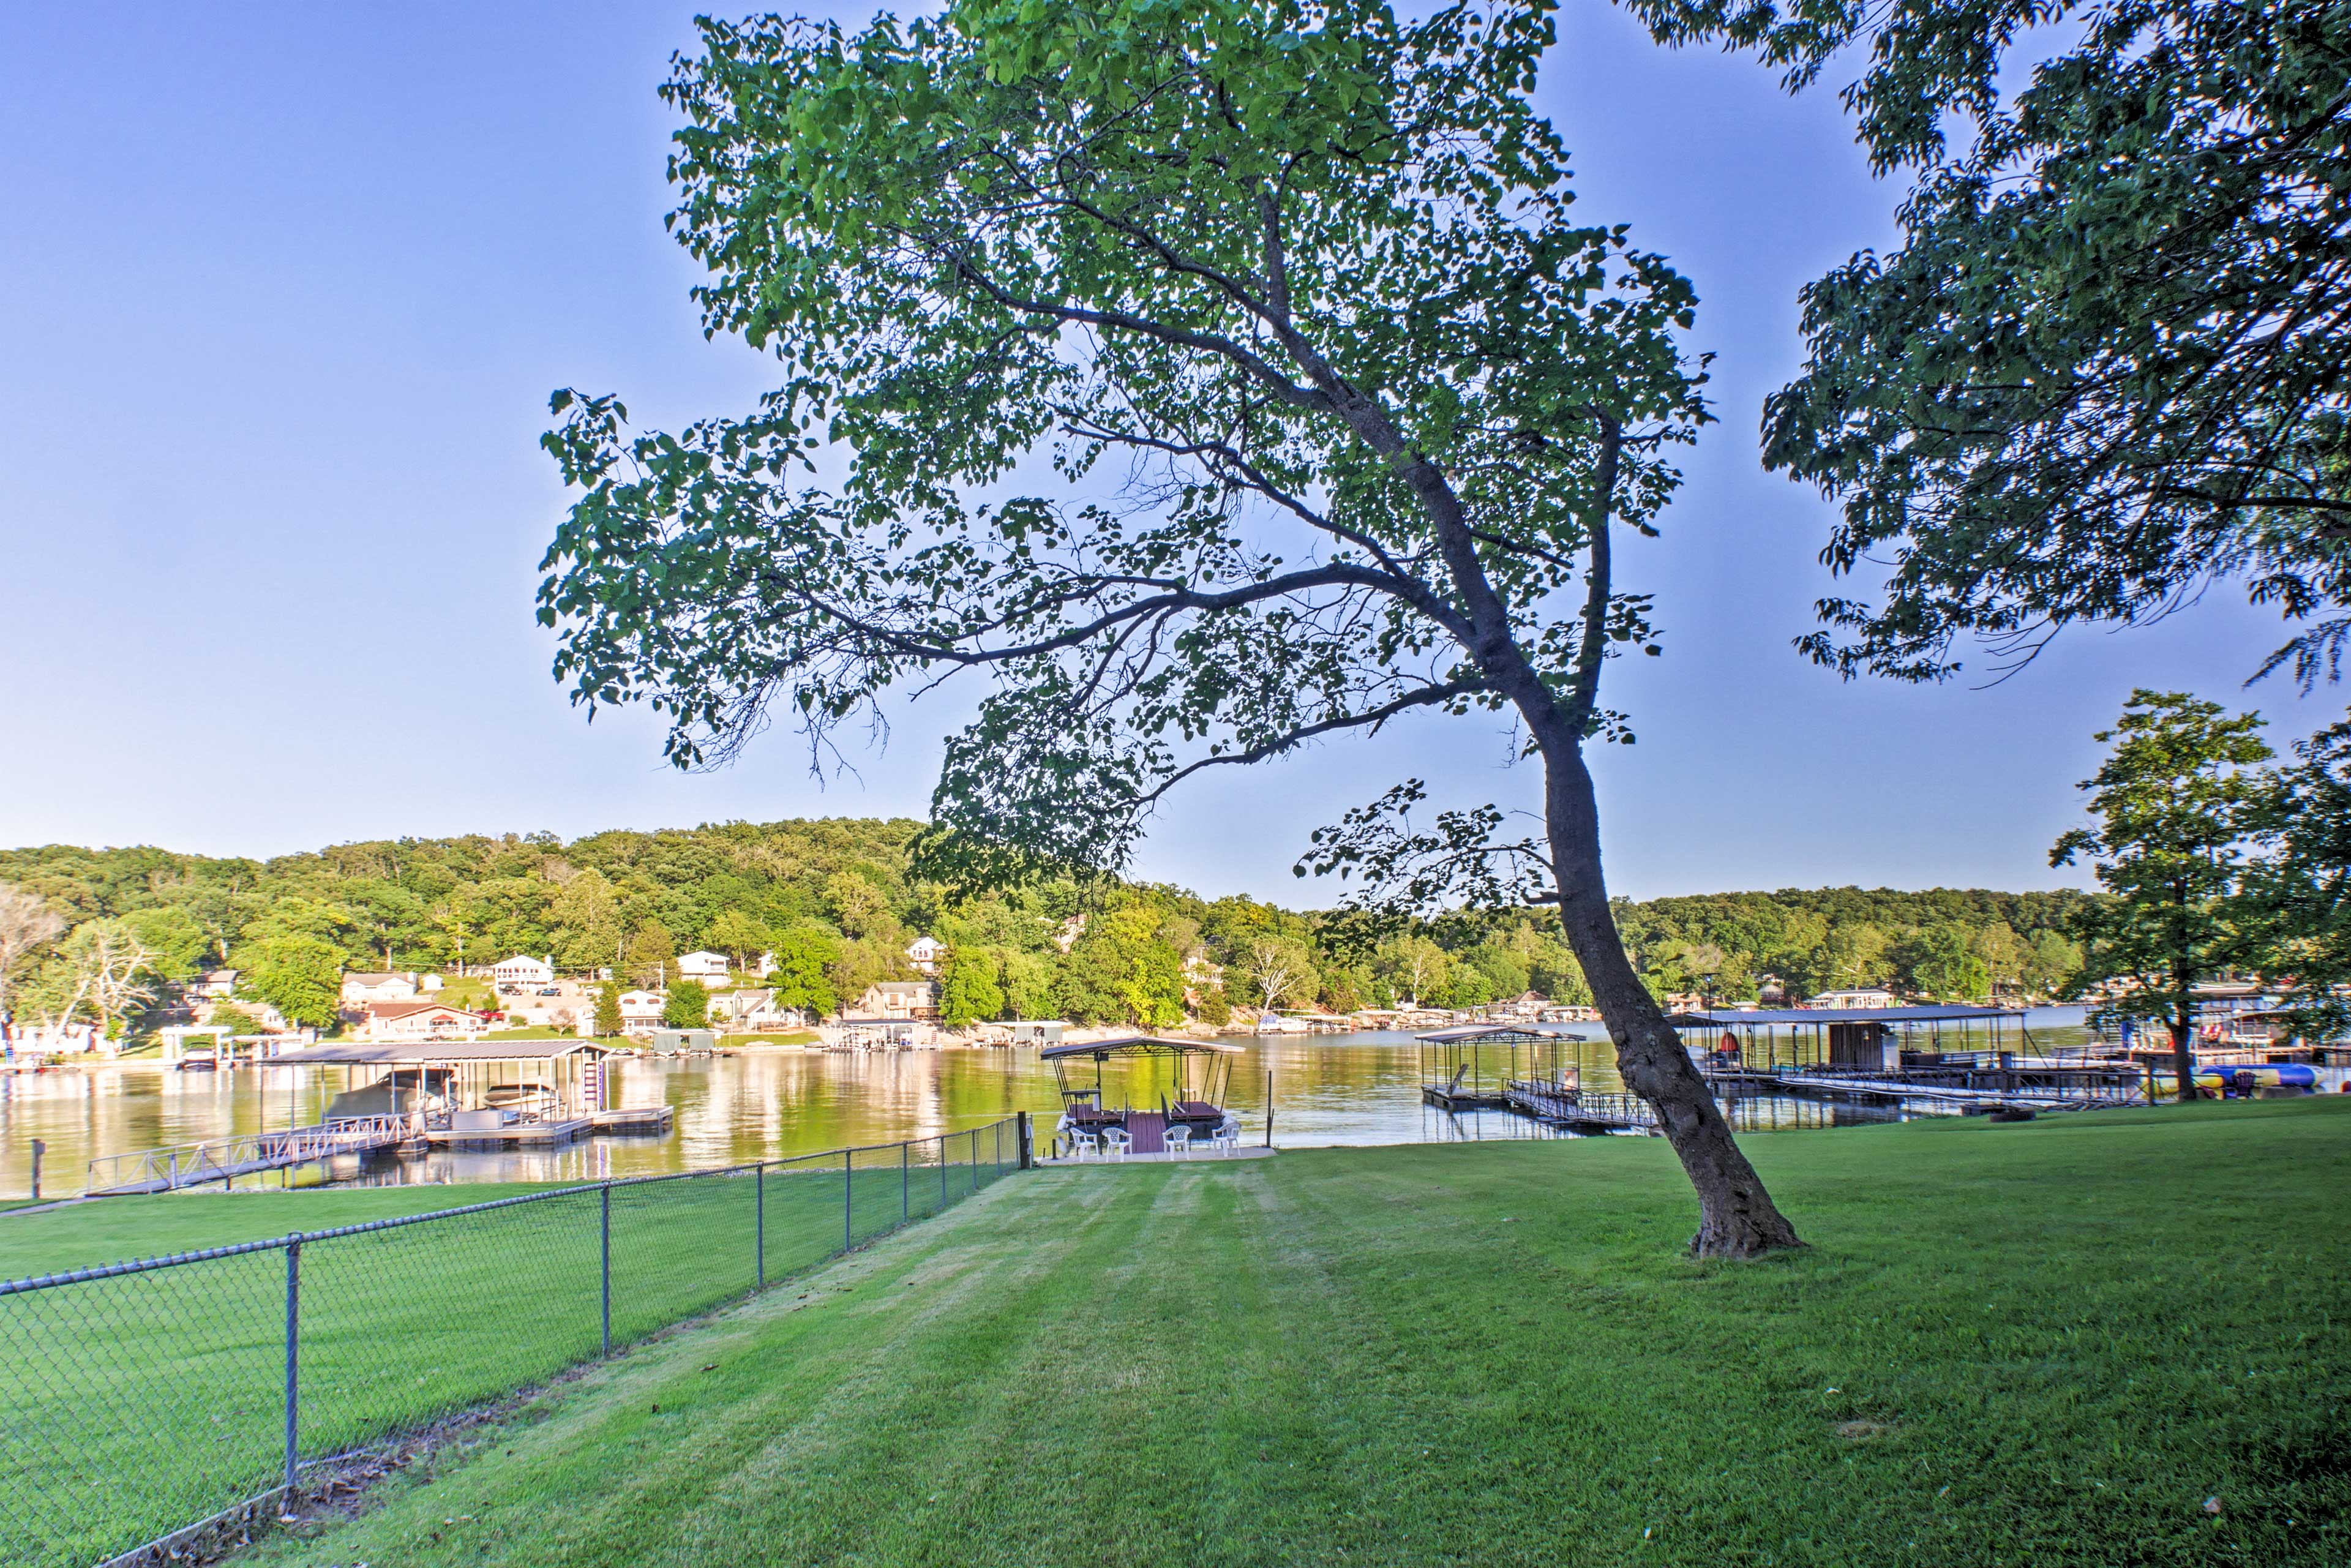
<point x="99" y="932"/>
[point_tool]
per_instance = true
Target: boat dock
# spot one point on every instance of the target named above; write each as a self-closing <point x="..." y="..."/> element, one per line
<point x="224" y="1159"/>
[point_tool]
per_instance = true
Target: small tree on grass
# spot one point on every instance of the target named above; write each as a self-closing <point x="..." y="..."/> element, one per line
<point x="687" y="1006"/>
<point x="609" y="1022"/>
<point x="1346" y="414"/>
<point x="2174" y="801"/>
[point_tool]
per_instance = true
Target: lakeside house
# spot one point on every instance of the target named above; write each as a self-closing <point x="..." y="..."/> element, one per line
<point x="362" y="988"/>
<point x="899" y="999"/>
<point x="523" y="970"/>
<point x="212" y="986"/>
<point x="927" y="954"/>
<point x="1859" y="997"/>
<point x="423" y="1020"/>
<point x="640" y="1010"/>
<point x="702" y="964"/>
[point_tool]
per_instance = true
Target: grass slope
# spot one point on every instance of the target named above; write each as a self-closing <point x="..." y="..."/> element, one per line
<point x="131" y="1406"/>
<point x="2045" y="1343"/>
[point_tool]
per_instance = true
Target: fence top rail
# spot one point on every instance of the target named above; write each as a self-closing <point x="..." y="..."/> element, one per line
<point x="239" y="1248"/>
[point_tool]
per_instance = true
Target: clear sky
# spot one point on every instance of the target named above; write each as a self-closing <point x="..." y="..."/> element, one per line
<point x="283" y="290"/>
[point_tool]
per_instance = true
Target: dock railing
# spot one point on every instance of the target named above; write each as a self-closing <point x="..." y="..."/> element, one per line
<point x="144" y="1404"/>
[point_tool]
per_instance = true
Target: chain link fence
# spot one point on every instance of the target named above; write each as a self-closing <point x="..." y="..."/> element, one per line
<point x="143" y="1399"/>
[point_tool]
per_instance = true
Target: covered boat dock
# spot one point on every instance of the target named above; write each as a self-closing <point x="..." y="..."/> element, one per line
<point x="1165" y="1096"/>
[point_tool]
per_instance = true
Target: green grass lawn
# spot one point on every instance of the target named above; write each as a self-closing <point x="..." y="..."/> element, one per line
<point x="134" y="1405"/>
<point x="2035" y="1343"/>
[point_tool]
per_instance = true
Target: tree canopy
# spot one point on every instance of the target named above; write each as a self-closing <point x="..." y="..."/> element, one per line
<point x="2106" y="366"/>
<point x="1341" y="407"/>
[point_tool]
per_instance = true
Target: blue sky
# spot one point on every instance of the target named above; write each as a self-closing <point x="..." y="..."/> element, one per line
<point x="283" y="290"/>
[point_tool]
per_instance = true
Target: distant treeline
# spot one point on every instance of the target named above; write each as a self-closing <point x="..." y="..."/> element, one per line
<point x="833" y="900"/>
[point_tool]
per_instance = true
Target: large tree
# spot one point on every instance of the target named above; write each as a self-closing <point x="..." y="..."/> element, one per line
<point x="27" y="924"/>
<point x="2295" y="897"/>
<point x="1337" y="415"/>
<point x="2110" y="362"/>
<point x="2175" y="800"/>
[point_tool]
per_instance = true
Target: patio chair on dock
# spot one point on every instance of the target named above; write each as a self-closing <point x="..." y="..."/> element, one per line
<point x="1115" y="1142"/>
<point x="1228" y="1136"/>
<point x="1179" y="1140"/>
<point x="1083" y="1142"/>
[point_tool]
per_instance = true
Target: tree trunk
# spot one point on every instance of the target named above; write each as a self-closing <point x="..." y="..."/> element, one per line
<point x="2183" y="1024"/>
<point x="1736" y="1215"/>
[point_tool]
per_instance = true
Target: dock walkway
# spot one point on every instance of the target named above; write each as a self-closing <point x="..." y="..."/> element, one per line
<point x="223" y="1159"/>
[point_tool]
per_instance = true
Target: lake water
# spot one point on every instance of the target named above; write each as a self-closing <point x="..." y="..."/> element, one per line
<point x="769" y="1105"/>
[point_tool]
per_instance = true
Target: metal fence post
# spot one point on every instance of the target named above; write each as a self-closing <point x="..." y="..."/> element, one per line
<point x="760" y="1223"/>
<point x="848" y="1213"/>
<point x="974" y="1159"/>
<point x="1020" y="1145"/>
<point x="604" y="1225"/>
<point x="906" y="1183"/>
<point x="293" y="1364"/>
<point x="943" y="1170"/>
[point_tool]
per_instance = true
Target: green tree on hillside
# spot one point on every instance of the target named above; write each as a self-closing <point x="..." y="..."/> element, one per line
<point x="687" y="1006"/>
<point x="301" y="976"/>
<point x="739" y="936"/>
<point x="1414" y="968"/>
<point x="1942" y="962"/>
<point x="1279" y="971"/>
<point x="2174" y="800"/>
<point x="177" y="943"/>
<point x="1028" y="982"/>
<point x="653" y="951"/>
<point x="803" y="956"/>
<point x="609" y="1023"/>
<point x="585" y="914"/>
<point x="969" y="991"/>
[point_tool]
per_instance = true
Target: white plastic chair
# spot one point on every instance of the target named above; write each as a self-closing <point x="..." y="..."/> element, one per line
<point x="1082" y="1143"/>
<point x="1179" y="1140"/>
<point x="1228" y="1136"/>
<point x="1116" y="1144"/>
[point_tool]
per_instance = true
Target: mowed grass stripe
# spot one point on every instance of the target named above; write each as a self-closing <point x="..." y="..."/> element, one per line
<point x="2037" y="1343"/>
<point x="135" y="1405"/>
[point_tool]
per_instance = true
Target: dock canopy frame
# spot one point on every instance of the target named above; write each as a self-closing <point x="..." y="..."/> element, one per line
<point x="475" y="1066"/>
<point x="1476" y="1064"/>
<point x="1865" y="1039"/>
<point x="1201" y="1069"/>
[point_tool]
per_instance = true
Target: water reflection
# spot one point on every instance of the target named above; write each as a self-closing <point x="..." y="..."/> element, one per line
<point x="773" y="1104"/>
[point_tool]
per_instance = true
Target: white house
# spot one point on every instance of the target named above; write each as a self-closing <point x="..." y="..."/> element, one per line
<point x="363" y="988"/>
<point x="926" y="953"/>
<point x="423" y="1020"/>
<point x="640" y="1010"/>
<point x="1859" y="997"/>
<point x="215" y="985"/>
<point x="702" y="966"/>
<point x="898" y="999"/>
<point x="523" y="970"/>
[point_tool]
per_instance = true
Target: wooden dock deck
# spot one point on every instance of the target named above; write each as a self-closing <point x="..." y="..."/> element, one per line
<point x="1451" y="1099"/>
<point x="529" y="1134"/>
<point x="635" y="1119"/>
